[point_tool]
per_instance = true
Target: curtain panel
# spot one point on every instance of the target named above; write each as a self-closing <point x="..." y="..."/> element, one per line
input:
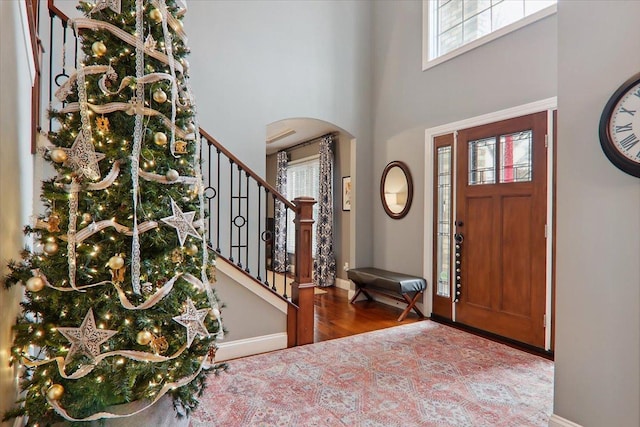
<point x="279" y="263"/>
<point x="324" y="267"/>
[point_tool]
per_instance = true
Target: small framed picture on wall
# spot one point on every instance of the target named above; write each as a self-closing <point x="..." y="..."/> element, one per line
<point x="346" y="193"/>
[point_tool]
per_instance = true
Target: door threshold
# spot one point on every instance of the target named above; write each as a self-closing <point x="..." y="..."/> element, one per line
<point x="547" y="354"/>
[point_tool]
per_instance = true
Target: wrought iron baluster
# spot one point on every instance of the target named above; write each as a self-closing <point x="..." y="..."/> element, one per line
<point x="231" y="210"/>
<point x="286" y="257"/>
<point x="51" y="16"/>
<point x="218" y="201"/>
<point x="247" y="225"/>
<point x="238" y="219"/>
<point x="260" y="236"/>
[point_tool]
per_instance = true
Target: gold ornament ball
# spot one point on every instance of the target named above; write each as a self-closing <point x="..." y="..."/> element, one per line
<point x="215" y="313"/>
<point x="144" y="337"/>
<point x="191" y="250"/>
<point x="35" y="284"/>
<point x="58" y="155"/>
<point x="160" y="139"/>
<point x="99" y="48"/>
<point x="156" y="15"/>
<point x="55" y="392"/>
<point x="86" y="217"/>
<point x="159" y="96"/>
<point x="116" y="262"/>
<point x="50" y="248"/>
<point x="172" y="175"/>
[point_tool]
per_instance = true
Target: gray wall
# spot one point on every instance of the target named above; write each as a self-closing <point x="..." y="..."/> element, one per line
<point x="254" y="63"/>
<point x="507" y="72"/>
<point x="598" y="278"/>
<point x="16" y="177"/>
<point x="246" y="315"/>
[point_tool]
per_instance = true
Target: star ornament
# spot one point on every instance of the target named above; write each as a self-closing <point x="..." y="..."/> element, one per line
<point x="82" y="158"/>
<point x="87" y="338"/>
<point x="192" y="319"/>
<point x="182" y="222"/>
<point x="115" y="5"/>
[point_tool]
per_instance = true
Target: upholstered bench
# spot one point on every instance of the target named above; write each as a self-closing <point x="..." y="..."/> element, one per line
<point x="398" y="286"/>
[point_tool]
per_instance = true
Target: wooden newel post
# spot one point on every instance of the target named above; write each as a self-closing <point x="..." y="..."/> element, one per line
<point x="302" y="287"/>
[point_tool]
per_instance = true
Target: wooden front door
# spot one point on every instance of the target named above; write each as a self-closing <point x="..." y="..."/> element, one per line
<point x="500" y="224"/>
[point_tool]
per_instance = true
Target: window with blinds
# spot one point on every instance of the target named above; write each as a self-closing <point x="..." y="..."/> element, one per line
<point x="302" y="180"/>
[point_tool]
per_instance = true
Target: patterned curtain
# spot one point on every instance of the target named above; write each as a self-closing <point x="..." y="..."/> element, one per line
<point x="324" y="267"/>
<point x="280" y="217"/>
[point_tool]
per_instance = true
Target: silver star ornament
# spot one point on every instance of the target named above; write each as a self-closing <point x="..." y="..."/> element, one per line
<point x="87" y="338"/>
<point x="192" y="319"/>
<point x="83" y="158"/>
<point x="182" y="222"/>
<point x="115" y="5"/>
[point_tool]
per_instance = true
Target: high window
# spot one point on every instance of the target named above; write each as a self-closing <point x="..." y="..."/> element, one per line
<point x="456" y="26"/>
<point x="303" y="180"/>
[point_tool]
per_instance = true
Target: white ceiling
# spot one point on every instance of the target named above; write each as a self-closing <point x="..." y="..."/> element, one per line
<point x="289" y="132"/>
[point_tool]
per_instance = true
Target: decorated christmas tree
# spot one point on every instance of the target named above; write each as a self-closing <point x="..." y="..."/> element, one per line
<point x="119" y="304"/>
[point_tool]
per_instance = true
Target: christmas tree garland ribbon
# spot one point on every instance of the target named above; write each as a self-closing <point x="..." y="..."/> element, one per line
<point x="168" y="42"/>
<point x="96" y="227"/>
<point x="65" y="89"/>
<point x="100" y="415"/>
<point x="132" y="108"/>
<point x="92" y="24"/>
<point x="137" y="146"/>
<point x="163" y="179"/>
<point x="153" y="300"/>
<point x="113" y="174"/>
<point x="84" y="370"/>
<point x="175" y="25"/>
<point x="149" y="78"/>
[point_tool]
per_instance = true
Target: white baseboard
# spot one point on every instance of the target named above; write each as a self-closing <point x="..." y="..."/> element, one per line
<point x="343" y="284"/>
<point x="250" y="346"/>
<point x="558" y="421"/>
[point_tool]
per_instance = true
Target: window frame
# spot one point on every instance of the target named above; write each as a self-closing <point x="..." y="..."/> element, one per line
<point x="429" y="43"/>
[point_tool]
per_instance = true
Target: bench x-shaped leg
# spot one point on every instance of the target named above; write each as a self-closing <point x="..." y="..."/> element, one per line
<point x="411" y="304"/>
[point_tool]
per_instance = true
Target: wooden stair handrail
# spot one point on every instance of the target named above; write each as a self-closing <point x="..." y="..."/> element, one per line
<point x="212" y="141"/>
<point x="53" y="10"/>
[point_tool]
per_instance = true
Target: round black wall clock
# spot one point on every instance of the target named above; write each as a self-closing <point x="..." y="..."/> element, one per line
<point x="620" y="127"/>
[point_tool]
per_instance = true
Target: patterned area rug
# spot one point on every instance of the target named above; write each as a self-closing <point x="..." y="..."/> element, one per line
<point x="420" y="374"/>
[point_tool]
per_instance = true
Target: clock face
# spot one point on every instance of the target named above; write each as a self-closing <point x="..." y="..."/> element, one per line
<point x="624" y="126"/>
<point x="620" y="127"/>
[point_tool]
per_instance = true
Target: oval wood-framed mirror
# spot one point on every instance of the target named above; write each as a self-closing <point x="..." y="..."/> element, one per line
<point x="396" y="189"/>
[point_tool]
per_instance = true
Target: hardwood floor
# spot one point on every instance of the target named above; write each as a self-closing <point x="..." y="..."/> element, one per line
<point x="336" y="318"/>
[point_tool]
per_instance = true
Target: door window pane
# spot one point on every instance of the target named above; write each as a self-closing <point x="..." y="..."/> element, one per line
<point x="516" y="157"/>
<point x="482" y="161"/>
<point x="443" y="219"/>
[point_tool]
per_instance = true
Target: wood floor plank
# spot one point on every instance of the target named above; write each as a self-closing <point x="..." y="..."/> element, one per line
<point x="335" y="317"/>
